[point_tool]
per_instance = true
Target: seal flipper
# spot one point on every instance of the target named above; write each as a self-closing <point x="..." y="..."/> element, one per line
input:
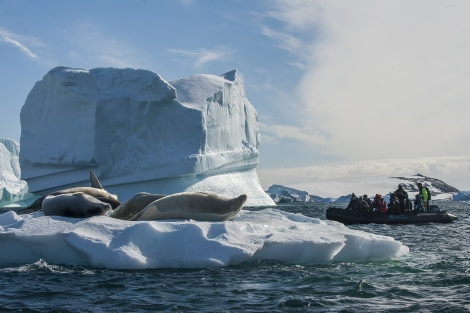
<point x="33" y="207"/>
<point x="94" y="181"/>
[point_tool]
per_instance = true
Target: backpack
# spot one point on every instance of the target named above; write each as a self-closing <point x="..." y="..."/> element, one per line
<point x="429" y="193"/>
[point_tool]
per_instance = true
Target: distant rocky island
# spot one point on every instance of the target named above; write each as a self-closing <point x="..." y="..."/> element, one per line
<point x="439" y="191"/>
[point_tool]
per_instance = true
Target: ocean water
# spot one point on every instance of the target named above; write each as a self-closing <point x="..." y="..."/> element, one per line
<point x="433" y="277"/>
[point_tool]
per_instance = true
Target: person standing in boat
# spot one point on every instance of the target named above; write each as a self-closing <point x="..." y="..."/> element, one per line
<point x="423" y="194"/>
<point x="402" y="196"/>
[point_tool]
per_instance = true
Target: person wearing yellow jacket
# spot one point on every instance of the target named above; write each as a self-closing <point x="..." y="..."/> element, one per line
<point x="423" y="193"/>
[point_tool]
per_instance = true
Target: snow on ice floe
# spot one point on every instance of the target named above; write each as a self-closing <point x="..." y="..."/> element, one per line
<point x="269" y="234"/>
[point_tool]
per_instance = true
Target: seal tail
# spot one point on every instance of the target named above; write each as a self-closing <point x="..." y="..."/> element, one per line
<point x="94" y="181"/>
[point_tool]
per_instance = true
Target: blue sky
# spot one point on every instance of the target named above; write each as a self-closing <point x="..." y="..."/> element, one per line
<point x="342" y="88"/>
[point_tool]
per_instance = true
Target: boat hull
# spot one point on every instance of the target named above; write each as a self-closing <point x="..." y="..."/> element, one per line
<point x="348" y="217"/>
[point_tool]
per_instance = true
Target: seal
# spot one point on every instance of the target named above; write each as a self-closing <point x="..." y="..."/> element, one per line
<point x="134" y="205"/>
<point x="96" y="190"/>
<point x="77" y="204"/>
<point x="99" y="194"/>
<point x="198" y="206"/>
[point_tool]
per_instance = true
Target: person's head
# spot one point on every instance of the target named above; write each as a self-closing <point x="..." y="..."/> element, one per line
<point x="399" y="186"/>
<point x="353" y="196"/>
<point x="364" y="197"/>
<point x="420" y="185"/>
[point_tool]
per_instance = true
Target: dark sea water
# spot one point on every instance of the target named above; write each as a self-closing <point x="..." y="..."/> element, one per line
<point x="433" y="277"/>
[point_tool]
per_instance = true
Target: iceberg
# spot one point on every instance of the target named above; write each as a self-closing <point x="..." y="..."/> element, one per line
<point x="140" y="133"/>
<point x="12" y="188"/>
<point x="462" y="196"/>
<point x="265" y="235"/>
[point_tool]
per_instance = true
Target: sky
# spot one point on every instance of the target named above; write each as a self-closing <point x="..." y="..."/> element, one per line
<point x="342" y="88"/>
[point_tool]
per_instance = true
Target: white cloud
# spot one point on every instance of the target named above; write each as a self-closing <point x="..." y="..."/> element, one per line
<point x="202" y="56"/>
<point x="285" y="41"/>
<point x="14" y="40"/>
<point x="296" y="14"/>
<point x="385" y="79"/>
<point x="280" y="131"/>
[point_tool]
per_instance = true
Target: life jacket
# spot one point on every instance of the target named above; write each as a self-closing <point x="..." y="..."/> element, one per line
<point x="425" y="190"/>
<point x="429" y="193"/>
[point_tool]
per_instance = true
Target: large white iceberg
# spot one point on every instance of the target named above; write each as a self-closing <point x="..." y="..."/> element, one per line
<point x="269" y="234"/>
<point x="138" y="132"/>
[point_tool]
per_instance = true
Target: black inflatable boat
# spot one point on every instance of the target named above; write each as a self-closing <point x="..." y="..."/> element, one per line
<point x="348" y="217"/>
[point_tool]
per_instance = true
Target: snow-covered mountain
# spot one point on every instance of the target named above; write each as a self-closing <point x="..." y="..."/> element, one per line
<point x="370" y="186"/>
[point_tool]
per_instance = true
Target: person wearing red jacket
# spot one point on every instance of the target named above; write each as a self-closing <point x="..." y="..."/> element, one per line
<point x="379" y="204"/>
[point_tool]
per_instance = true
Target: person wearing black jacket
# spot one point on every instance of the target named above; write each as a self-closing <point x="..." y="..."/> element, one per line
<point x="402" y="196"/>
<point x="354" y="203"/>
<point x="368" y="202"/>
